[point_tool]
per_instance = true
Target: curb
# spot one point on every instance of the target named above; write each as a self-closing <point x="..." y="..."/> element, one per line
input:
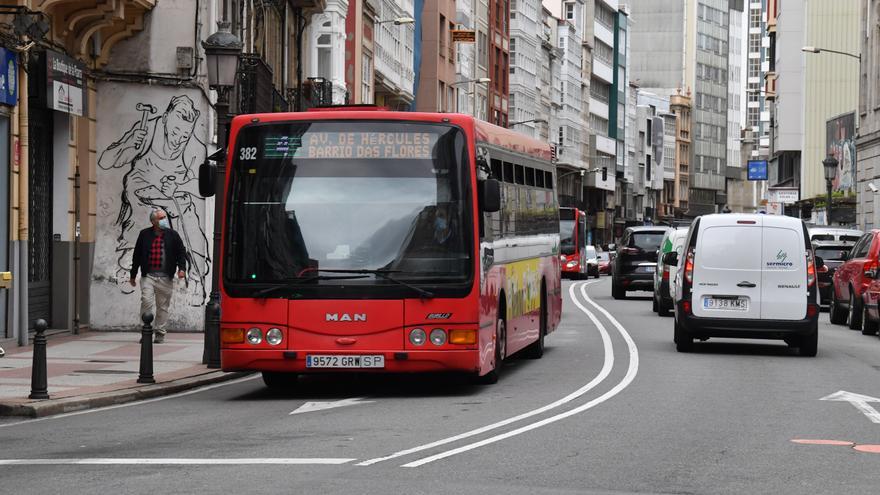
<point x="52" y="407"/>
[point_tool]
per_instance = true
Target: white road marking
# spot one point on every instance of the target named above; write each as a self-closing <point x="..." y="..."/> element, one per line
<point x="627" y="379"/>
<point x="606" y="370"/>
<point x="173" y="462"/>
<point x="859" y="401"/>
<point x="138" y="403"/>
<point x="321" y="406"/>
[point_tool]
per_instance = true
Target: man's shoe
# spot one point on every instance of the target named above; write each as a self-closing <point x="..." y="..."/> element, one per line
<point x="159" y="338"/>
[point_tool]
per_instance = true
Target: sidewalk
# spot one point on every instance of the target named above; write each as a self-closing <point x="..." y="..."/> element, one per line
<point x="96" y="369"/>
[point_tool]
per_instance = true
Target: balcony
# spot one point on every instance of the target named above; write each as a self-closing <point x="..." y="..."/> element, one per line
<point x="703" y="180"/>
<point x="315" y="92"/>
<point x="256" y="93"/>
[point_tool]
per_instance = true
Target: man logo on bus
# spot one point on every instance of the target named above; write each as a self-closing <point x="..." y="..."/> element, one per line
<point x="346" y="317"/>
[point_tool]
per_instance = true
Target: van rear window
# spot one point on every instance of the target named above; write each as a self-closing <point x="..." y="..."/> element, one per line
<point x="825" y="237"/>
<point x="647" y="241"/>
<point x="832" y="253"/>
<point x="730" y="248"/>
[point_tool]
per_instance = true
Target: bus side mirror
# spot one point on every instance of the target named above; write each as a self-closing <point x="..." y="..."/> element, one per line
<point x="670" y="258"/>
<point x="491" y="196"/>
<point x="207" y="179"/>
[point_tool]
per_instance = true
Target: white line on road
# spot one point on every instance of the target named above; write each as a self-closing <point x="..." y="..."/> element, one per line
<point x="322" y="406"/>
<point x="861" y="402"/>
<point x="129" y="404"/>
<point x="630" y="375"/>
<point x="173" y="462"/>
<point x="606" y="370"/>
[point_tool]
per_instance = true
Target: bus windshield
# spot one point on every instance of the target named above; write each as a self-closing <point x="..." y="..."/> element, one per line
<point x="566" y="237"/>
<point x="307" y="198"/>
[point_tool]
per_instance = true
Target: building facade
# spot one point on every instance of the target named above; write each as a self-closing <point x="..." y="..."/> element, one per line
<point x="868" y="141"/>
<point x="685" y="44"/>
<point x="808" y="94"/>
<point x="436" y="74"/>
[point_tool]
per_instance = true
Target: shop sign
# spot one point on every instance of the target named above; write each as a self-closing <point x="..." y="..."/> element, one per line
<point x="8" y="77"/>
<point x="65" y="84"/>
<point x="464" y="36"/>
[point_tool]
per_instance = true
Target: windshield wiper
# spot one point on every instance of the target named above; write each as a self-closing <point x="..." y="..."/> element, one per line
<point x="279" y="288"/>
<point x="385" y="274"/>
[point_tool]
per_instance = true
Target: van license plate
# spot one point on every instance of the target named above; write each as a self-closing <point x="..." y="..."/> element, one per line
<point x="331" y="361"/>
<point x="738" y="304"/>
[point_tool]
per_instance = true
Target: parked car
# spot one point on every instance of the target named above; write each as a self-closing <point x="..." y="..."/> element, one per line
<point x="835" y="234"/>
<point x="833" y="253"/>
<point x="636" y="261"/>
<point x="673" y="240"/>
<point x="747" y="276"/>
<point x="870" y="310"/>
<point x="604" y="262"/>
<point x="851" y="279"/>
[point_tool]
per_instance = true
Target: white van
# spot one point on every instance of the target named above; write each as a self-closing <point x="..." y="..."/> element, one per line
<point x="747" y="276"/>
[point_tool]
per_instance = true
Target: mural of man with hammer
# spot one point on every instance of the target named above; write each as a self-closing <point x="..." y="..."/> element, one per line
<point x="163" y="157"/>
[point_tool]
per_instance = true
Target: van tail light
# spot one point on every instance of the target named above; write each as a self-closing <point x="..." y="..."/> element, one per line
<point x="686" y="306"/>
<point x="812" y="310"/>
<point x="665" y="273"/>
<point x="811" y="269"/>
<point x="689" y="266"/>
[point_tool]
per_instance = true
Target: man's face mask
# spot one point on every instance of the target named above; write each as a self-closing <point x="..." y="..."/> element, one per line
<point x="164" y="223"/>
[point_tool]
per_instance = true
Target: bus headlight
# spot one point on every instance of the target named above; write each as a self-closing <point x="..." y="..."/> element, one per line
<point x="438" y="336"/>
<point x="417" y="336"/>
<point x="254" y="336"/>
<point x="572" y="264"/>
<point x="274" y="336"/>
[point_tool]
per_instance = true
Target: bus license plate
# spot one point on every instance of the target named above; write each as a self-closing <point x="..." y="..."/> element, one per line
<point x="734" y="304"/>
<point x="331" y="361"/>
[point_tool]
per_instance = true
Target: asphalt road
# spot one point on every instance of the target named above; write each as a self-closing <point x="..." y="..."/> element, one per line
<point x="611" y="408"/>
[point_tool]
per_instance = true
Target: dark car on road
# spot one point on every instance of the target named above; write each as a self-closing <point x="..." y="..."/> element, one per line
<point x="834" y="254"/>
<point x="633" y="268"/>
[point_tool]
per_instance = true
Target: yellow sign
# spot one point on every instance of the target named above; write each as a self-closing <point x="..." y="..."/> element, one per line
<point x="523" y="287"/>
<point x="464" y="36"/>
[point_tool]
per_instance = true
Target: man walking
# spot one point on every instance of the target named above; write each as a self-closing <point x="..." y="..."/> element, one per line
<point x="157" y="252"/>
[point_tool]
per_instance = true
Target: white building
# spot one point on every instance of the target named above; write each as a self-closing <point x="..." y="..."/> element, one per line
<point x="525" y="50"/>
<point x="393" y="58"/>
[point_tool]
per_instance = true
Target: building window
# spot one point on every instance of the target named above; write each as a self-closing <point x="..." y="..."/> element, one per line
<point x="325" y="56"/>
<point x="569" y="11"/>
<point x="367" y="78"/>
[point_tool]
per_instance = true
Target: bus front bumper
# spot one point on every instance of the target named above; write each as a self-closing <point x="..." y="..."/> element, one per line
<point x="395" y="361"/>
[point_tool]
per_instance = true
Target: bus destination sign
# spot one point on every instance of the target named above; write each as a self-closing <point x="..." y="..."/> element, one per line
<point x="381" y="145"/>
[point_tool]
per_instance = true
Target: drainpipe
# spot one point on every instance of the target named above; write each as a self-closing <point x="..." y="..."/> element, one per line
<point x="21" y="245"/>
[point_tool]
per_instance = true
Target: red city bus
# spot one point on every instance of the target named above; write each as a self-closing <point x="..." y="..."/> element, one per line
<point x="361" y="239"/>
<point x="573" y="243"/>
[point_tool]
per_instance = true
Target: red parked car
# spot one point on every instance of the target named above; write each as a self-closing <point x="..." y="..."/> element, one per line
<point x="604" y="263"/>
<point x="851" y="280"/>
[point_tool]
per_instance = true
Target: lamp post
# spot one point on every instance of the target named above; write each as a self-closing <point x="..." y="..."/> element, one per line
<point x="830" y="164"/>
<point x="397" y="22"/>
<point x="222" y="50"/>
<point x="814" y="49"/>
<point x="537" y="121"/>
<point x="481" y="80"/>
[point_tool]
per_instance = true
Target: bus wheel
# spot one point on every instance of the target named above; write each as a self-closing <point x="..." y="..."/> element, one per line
<point x="536" y="349"/>
<point x="280" y="381"/>
<point x="500" y="350"/>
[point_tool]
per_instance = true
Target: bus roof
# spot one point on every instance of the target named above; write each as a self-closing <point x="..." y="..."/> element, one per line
<point x="483" y="131"/>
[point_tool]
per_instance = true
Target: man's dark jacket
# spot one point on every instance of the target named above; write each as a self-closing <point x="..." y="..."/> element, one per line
<point x="175" y="253"/>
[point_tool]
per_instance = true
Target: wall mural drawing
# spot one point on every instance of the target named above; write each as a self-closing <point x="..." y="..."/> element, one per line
<point x="162" y="156"/>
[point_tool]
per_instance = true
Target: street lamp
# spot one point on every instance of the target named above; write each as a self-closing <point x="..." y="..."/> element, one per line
<point x="222" y="50"/>
<point x="537" y="121"/>
<point x="398" y="21"/>
<point x="481" y="80"/>
<point x="813" y="49"/>
<point x="830" y="163"/>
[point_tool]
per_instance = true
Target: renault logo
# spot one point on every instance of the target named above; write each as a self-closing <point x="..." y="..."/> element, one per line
<point x="346" y="317"/>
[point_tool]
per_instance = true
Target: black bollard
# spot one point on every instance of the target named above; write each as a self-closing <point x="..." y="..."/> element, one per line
<point x="38" y="371"/>
<point x="146" y="373"/>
